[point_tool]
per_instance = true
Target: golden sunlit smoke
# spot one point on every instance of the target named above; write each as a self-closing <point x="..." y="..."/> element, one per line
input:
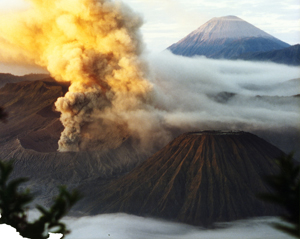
<point x="93" y="44"/>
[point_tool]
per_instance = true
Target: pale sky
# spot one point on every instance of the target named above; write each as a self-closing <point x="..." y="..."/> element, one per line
<point x="167" y="21"/>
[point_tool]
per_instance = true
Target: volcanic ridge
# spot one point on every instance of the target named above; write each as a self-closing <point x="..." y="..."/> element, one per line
<point x="199" y="178"/>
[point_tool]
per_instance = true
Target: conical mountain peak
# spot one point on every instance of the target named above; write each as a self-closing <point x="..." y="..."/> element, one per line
<point x="199" y="178"/>
<point x="227" y="27"/>
<point x="221" y="32"/>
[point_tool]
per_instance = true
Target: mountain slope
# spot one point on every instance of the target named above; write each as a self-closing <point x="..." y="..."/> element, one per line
<point x="219" y="33"/>
<point x="9" y="78"/>
<point x="30" y="138"/>
<point x="199" y="178"/>
<point x="244" y="46"/>
<point x="289" y="56"/>
<point x="30" y="107"/>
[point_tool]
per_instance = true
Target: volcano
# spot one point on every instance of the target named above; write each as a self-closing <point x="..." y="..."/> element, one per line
<point x="199" y="178"/>
<point x="226" y="37"/>
<point x="30" y="138"/>
<point x="33" y="128"/>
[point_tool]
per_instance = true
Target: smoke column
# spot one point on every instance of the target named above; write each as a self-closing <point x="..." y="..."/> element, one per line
<point x="94" y="45"/>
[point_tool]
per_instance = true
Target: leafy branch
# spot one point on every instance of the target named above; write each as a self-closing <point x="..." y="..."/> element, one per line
<point x="286" y="193"/>
<point x="13" y="207"/>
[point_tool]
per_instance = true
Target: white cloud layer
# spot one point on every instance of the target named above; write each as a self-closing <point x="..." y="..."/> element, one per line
<point x="124" y="226"/>
<point x="200" y="93"/>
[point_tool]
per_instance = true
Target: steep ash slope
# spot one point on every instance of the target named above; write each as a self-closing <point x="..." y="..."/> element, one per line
<point x="32" y="117"/>
<point x="198" y="178"/>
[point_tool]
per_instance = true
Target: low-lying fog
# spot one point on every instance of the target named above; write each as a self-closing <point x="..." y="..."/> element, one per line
<point x="210" y="93"/>
<point x="124" y="226"/>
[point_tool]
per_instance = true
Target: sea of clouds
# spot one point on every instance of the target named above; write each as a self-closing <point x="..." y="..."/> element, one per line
<point x="124" y="226"/>
<point x="193" y="91"/>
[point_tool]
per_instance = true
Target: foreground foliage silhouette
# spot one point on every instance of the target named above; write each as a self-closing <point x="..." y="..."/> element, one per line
<point x="286" y="193"/>
<point x="13" y="207"/>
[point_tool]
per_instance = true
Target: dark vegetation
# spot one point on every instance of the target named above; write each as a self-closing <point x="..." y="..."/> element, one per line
<point x="14" y="204"/>
<point x="13" y="207"/>
<point x="286" y="186"/>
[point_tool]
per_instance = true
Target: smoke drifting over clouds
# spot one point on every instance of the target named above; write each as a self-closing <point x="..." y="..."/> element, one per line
<point x="116" y="92"/>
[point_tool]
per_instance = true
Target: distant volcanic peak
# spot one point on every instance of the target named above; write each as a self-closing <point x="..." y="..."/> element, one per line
<point x="230" y="18"/>
<point x="228" y="33"/>
<point x="228" y="27"/>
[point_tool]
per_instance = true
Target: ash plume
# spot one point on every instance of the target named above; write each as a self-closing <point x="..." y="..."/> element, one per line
<point x="119" y="93"/>
<point x="95" y="45"/>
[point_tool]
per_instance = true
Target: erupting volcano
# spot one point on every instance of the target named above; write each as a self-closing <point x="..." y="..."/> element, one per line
<point x="94" y="45"/>
<point x="110" y="107"/>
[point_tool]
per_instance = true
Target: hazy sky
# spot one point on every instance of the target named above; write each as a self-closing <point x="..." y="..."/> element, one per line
<point x="167" y="21"/>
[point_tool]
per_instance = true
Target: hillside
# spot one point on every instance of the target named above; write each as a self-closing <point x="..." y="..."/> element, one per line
<point x="289" y="56"/>
<point x="30" y="105"/>
<point x="199" y="178"/>
<point x="9" y="78"/>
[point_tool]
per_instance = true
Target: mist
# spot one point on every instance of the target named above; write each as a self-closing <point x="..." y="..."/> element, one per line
<point x="125" y="226"/>
<point x="200" y="93"/>
<point x="133" y="227"/>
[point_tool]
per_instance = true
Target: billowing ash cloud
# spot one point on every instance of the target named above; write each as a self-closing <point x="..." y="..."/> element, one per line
<point x="93" y="44"/>
<point x="116" y="92"/>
